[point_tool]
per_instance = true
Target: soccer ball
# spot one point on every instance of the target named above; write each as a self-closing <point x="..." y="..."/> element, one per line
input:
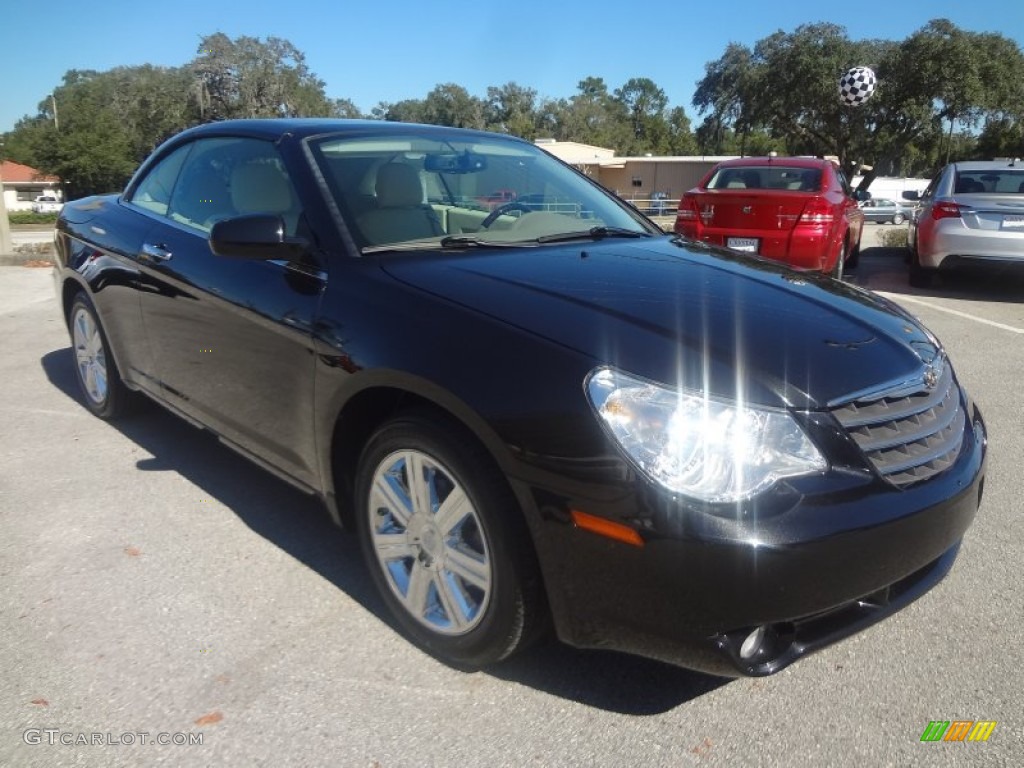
<point x="856" y="86"/>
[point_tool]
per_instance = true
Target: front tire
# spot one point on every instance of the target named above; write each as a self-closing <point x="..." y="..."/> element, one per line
<point x="95" y="370"/>
<point x="898" y="218"/>
<point x="446" y="543"/>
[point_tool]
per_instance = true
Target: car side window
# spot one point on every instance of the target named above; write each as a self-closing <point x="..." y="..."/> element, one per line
<point x="154" y="192"/>
<point x="930" y="189"/>
<point x="227" y="177"/>
<point x="843" y="183"/>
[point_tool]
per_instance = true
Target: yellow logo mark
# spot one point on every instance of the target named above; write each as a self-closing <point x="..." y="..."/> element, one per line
<point x="982" y="730"/>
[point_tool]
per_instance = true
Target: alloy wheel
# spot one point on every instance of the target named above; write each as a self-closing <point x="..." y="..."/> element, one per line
<point x="429" y="542"/>
<point x="90" y="355"/>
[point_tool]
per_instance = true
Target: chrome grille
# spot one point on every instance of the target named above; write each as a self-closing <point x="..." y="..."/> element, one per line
<point x="909" y="433"/>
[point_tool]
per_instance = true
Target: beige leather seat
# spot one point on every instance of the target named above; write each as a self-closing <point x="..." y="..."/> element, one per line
<point x="401" y="213"/>
<point x="262" y="187"/>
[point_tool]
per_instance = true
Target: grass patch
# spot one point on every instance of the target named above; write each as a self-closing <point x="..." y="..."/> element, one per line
<point x="893" y="238"/>
<point x="28" y="217"/>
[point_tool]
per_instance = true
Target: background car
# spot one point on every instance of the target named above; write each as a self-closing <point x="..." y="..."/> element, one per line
<point x="883" y="211"/>
<point x="971" y="212"/>
<point x="46" y="204"/>
<point x="529" y="418"/>
<point x="797" y="210"/>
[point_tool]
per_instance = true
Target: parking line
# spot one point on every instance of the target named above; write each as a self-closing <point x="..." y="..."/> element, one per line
<point x="899" y="297"/>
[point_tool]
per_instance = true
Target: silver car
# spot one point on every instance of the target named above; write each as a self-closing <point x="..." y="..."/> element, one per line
<point x="971" y="211"/>
<point x="883" y="211"/>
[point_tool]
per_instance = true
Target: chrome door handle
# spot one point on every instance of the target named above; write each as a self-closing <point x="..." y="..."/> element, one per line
<point x="158" y="252"/>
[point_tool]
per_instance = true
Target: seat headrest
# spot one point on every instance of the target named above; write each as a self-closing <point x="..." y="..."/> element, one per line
<point x="398" y="186"/>
<point x="258" y="187"/>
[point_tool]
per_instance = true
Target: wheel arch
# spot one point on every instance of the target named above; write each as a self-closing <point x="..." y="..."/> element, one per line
<point x="70" y="287"/>
<point x="379" y="398"/>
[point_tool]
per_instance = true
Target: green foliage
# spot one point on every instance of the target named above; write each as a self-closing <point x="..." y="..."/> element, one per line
<point x="249" y="77"/>
<point x="109" y="122"/>
<point x="780" y="94"/>
<point x="938" y="77"/>
<point x="893" y="238"/>
<point x="28" y="217"/>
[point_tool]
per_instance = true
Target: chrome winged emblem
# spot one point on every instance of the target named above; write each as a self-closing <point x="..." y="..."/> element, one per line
<point x="932" y="373"/>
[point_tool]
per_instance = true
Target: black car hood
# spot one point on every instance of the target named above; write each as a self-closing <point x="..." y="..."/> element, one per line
<point x="675" y="312"/>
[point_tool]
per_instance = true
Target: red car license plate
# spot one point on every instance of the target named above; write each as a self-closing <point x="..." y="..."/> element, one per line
<point x="748" y="244"/>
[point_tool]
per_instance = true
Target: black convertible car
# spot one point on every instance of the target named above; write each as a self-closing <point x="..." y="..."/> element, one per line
<point x="531" y="414"/>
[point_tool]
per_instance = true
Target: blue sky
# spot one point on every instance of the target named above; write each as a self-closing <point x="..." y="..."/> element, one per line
<point x="388" y="51"/>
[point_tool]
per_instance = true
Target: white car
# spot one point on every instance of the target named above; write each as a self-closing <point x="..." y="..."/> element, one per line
<point x="46" y="204"/>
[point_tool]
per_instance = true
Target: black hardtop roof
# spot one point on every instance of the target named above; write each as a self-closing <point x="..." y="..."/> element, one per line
<point x="303" y="127"/>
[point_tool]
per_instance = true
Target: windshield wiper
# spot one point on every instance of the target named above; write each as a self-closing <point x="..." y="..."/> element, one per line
<point x="470" y="241"/>
<point x="594" y="233"/>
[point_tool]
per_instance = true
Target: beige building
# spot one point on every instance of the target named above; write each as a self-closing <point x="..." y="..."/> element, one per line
<point x="634" y="178"/>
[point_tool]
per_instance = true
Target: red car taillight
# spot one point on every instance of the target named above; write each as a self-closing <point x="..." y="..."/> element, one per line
<point x="816" y="213"/>
<point x="945" y="209"/>
<point x="687" y="215"/>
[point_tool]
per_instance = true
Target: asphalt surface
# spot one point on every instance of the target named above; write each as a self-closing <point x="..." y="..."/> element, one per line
<point x="152" y="582"/>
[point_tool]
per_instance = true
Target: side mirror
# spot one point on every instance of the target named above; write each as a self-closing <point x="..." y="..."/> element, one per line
<point x="257" y="236"/>
<point x="861" y="195"/>
<point x="911" y="194"/>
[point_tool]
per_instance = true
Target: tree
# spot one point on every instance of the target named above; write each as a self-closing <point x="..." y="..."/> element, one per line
<point x="248" y="77"/>
<point x="110" y="121"/>
<point x="1001" y="137"/>
<point x="938" y="76"/>
<point x="644" y="104"/>
<point x="451" y="104"/>
<point x="407" y="111"/>
<point x="511" y="108"/>
<point x="680" y="138"/>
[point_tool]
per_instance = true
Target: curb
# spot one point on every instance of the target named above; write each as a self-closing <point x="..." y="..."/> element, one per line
<point x="21" y="259"/>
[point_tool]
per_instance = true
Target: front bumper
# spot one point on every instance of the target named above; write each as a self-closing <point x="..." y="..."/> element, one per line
<point x="818" y="561"/>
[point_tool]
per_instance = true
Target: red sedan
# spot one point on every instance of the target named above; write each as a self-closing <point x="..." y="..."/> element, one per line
<point x="797" y="210"/>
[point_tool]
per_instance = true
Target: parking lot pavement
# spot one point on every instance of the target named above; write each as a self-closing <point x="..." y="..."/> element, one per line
<point x="151" y="582"/>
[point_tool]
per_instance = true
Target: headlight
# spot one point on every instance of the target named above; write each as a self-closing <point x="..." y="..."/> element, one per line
<point x="713" y="450"/>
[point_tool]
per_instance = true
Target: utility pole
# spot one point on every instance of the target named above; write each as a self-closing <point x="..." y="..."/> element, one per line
<point x="5" y="225"/>
<point x="56" y="122"/>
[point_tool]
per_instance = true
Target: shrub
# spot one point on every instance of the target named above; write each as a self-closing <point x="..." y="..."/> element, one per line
<point x="28" y="217"/>
<point x="893" y="238"/>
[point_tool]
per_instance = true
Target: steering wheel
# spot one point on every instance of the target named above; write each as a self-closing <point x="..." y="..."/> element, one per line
<point x="503" y="209"/>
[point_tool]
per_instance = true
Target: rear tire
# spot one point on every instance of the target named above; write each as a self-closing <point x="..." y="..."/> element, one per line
<point x="840" y="265"/>
<point x="898" y="218"/>
<point x="99" y="380"/>
<point x="854" y="258"/>
<point x="920" y="277"/>
<point x="446" y="543"/>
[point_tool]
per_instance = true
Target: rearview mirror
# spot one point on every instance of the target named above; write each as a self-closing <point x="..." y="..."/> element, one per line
<point x="466" y="162"/>
<point x="258" y="236"/>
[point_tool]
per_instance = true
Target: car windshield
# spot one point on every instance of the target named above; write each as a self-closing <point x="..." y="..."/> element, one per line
<point x="403" y="191"/>
<point x="774" y="177"/>
<point x="1001" y="182"/>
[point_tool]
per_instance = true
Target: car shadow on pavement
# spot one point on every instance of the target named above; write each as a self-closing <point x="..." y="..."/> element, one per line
<point x="887" y="270"/>
<point x="299" y="525"/>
